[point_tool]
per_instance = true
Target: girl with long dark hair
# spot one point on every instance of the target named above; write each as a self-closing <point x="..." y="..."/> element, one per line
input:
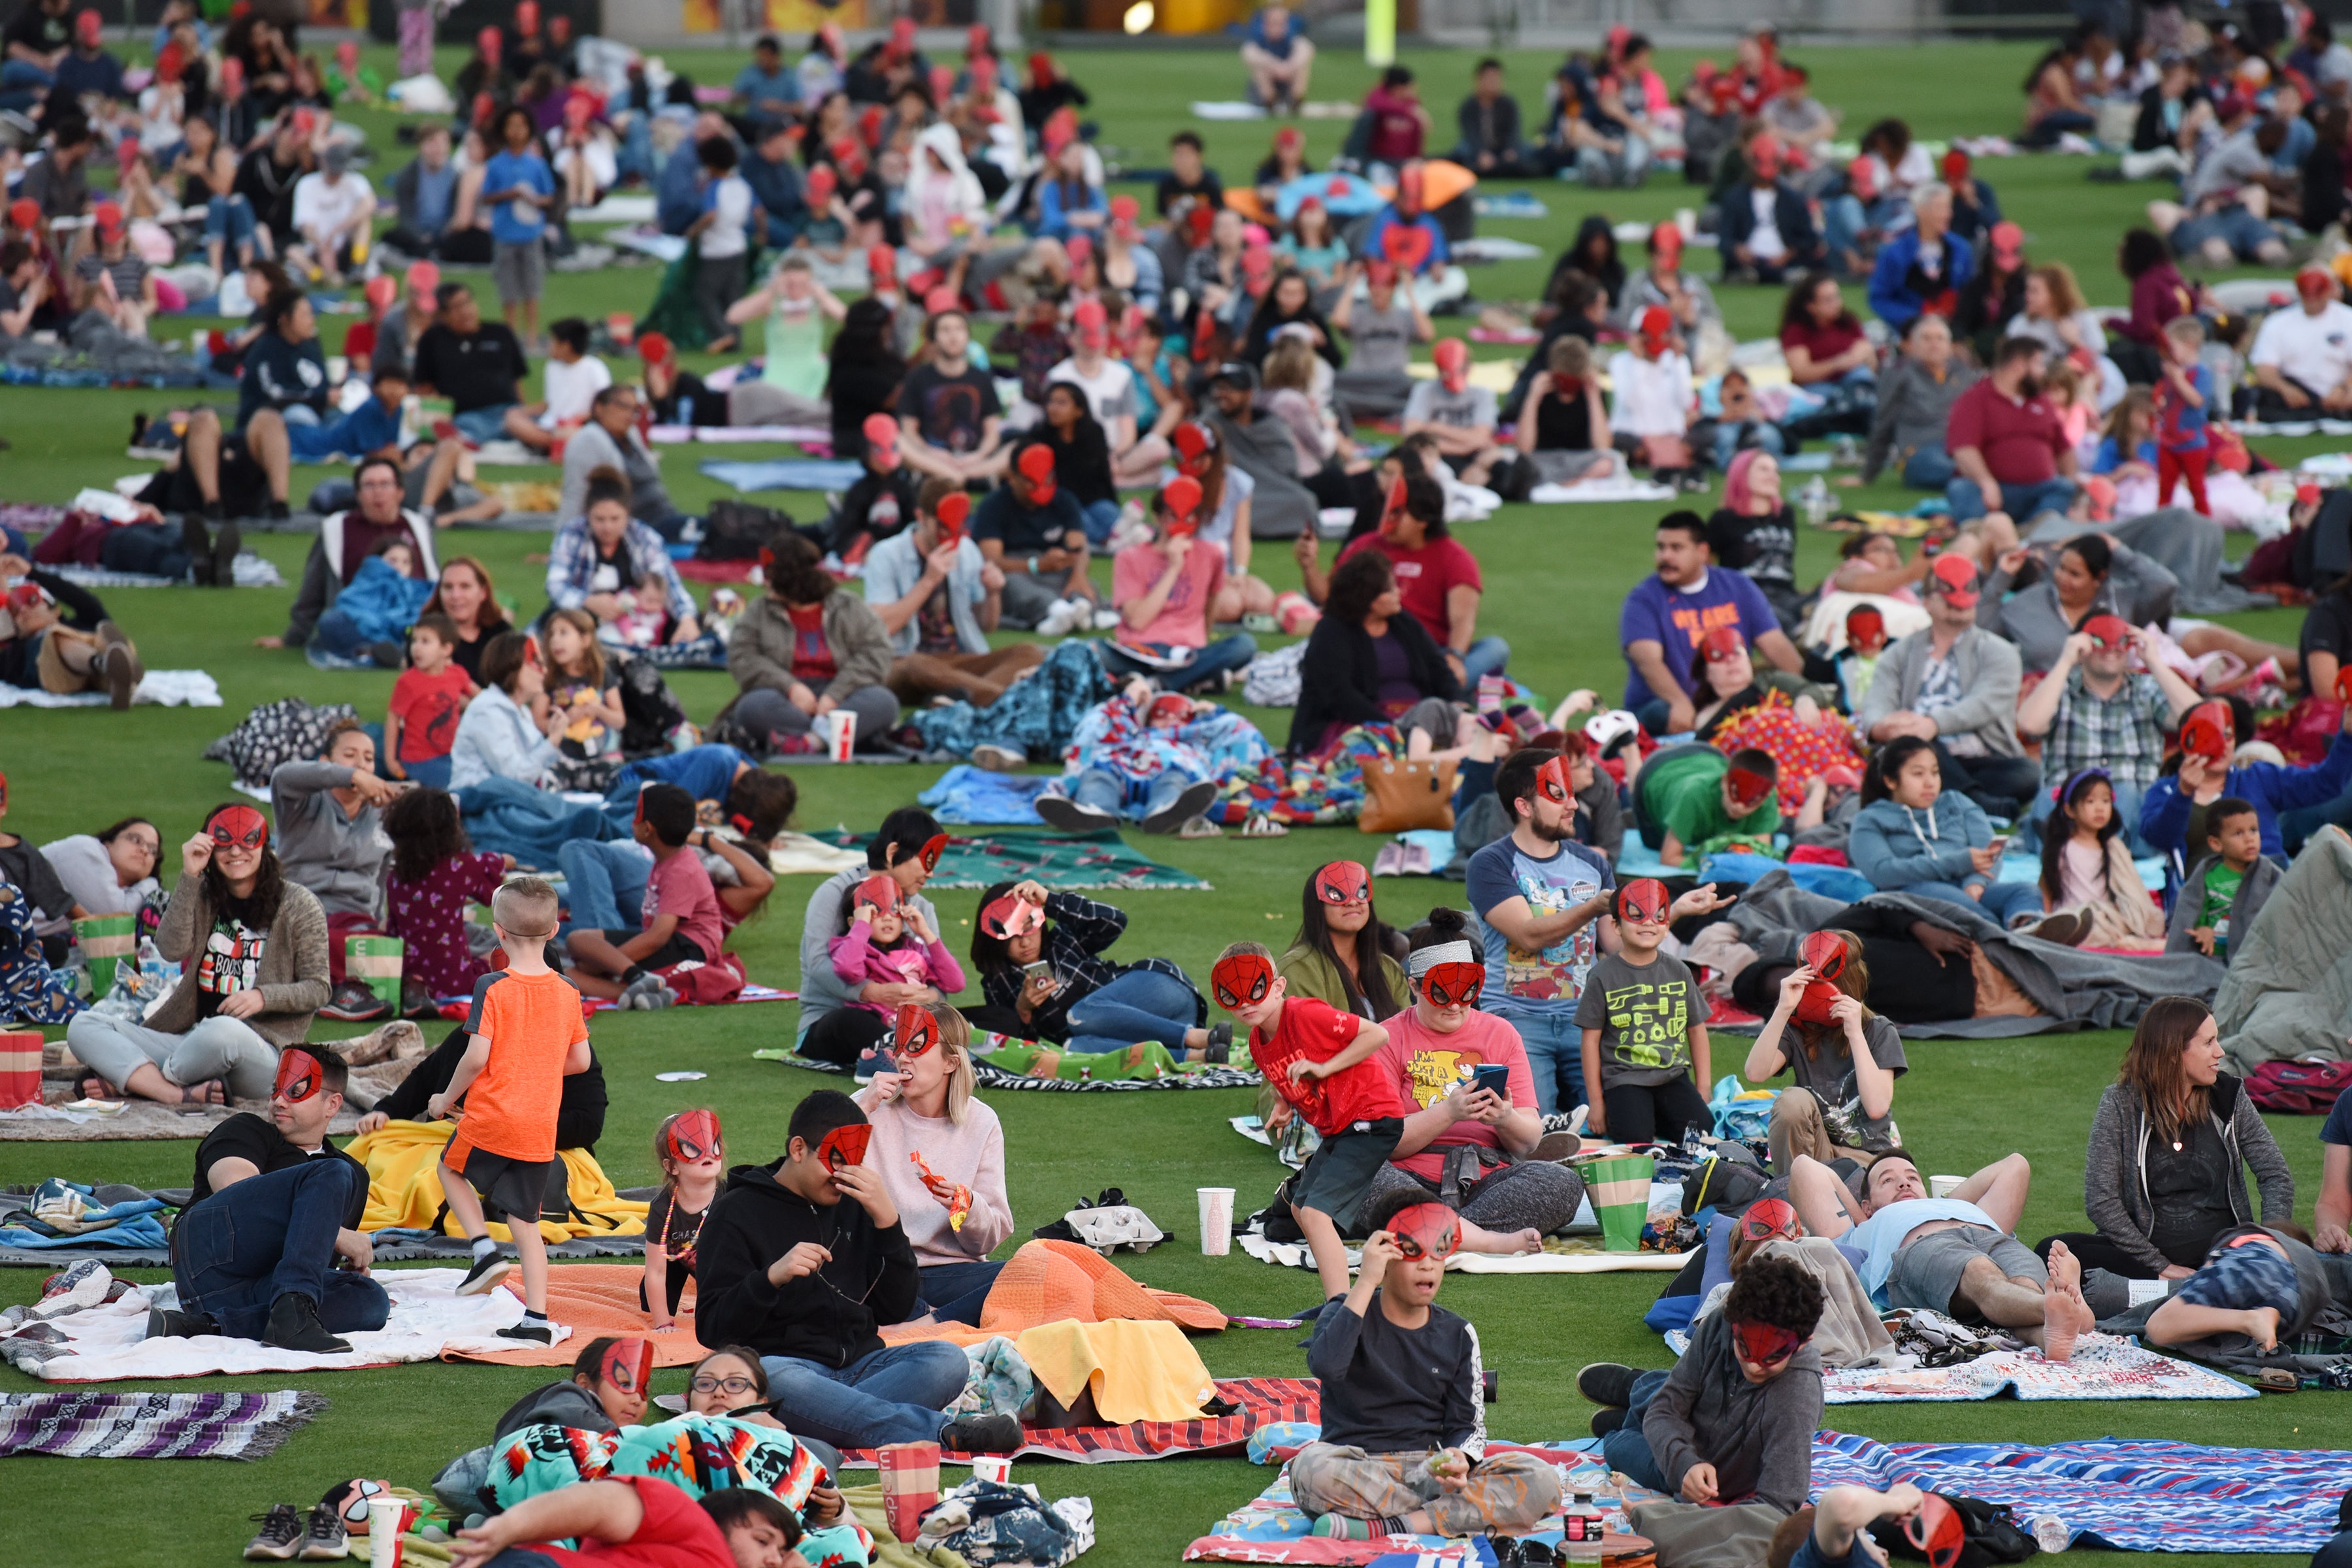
<point x="1343" y="955"/>
<point x="2087" y="875"/>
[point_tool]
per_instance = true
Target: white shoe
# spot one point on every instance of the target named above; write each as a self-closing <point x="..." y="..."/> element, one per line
<point x="996" y="759"/>
<point x="1106" y="620"/>
<point x="1061" y="619"/>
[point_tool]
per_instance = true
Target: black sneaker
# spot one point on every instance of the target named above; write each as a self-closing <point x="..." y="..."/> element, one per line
<point x="1606" y="1419"/>
<point x="278" y="512"/>
<point x="1220" y="1048"/>
<point x="981" y="1435"/>
<point x="226" y="542"/>
<point x="164" y="1324"/>
<point x="1196" y="799"/>
<point x="1061" y="812"/>
<point x="281" y="1536"/>
<point x="534" y="1333"/>
<point x="487" y="1271"/>
<point x="1608" y="1382"/>
<point x="415" y="1001"/>
<point x="294" y="1326"/>
<point x="353" y="1002"/>
<point x="326" y="1541"/>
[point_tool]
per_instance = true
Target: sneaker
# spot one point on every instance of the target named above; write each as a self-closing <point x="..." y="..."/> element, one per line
<point x="326" y="1541"/>
<point x="869" y="1062"/>
<point x="484" y="1274"/>
<point x="646" y="992"/>
<point x="1606" y="1419"/>
<point x="2067" y="928"/>
<point x="1062" y="618"/>
<point x="119" y="662"/>
<point x="226" y="542"/>
<point x="281" y="1536"/>
<point x="1060" y="811"/>
<point x="294" y="1326"/>
<point x="981" y="1435"/>
<point x="1220" y="1045"/>
<point x="530" y="1332"/>
<point x="1606" y="1382"/>
<point x="278" y="512"/>
<point x="354" y="1003"/>
<point x="416" y="1000"/>
<point x="197" y="541"/>
<point x="1195" y="800"/>
<point x="166" y="1323"/>
<point x="996" y="759"/>
<point x="1556" y="1146"/>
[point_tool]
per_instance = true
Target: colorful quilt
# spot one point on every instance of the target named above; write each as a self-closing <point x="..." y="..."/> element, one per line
<point x="1263" y="1401"/>
<point x="1304" y="793"/>
<point x="153" y="1425"/>
<point x="2127" y="1495"/>
<point x="1097" y="861"/>
<point x="2104" y="1367"/>
<point x="1072" y="1073"/>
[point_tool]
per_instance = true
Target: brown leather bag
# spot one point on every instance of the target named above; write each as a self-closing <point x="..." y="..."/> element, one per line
<point x="1400" y="796"/>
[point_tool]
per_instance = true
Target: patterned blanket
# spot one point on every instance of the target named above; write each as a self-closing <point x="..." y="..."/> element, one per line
<point x="1263" y="1401"/>
<point x="990" y="1076"/>
<point x="1099" y="861"/>
<point x="2104" y="1367"/>
<point x="153" y="1425"/>
<point x="2127" y="1495"/>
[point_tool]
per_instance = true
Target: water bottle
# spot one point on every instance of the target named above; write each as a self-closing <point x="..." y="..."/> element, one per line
<point x="1581" y="1530"/>
<point x="1814" y="501"/>
<point x="2050" y="1532"/>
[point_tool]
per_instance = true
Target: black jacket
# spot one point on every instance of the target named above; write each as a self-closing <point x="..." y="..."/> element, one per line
<point x="1735" y="220"/>
<point x="1338" y="679"/>
<point x="828" y="1317"/>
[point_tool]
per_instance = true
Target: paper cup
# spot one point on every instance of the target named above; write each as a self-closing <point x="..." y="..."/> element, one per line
<point x="337" y="368"/>
<point x="103" y="940"/>
<point x="387" y="1521"/>
<point x="374" y="963"/>
<point x="1619" y="1191"/>
<point x="841" y="732"/>
<point x="1216" y="1221"/>
<point x="911" y="1485"/>
<point x="1945" y="1186"/>
<point x="995" y="1467"/>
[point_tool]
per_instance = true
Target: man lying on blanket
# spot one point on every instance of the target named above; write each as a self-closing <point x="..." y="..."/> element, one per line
<point x="1955" y="1255"/>
<point x="1399" y="1454"/>
<point x="636" y="1523"/>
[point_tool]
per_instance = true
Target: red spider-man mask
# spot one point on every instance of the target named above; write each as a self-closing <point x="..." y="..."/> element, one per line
<point x="1937" y="1531"/>
<point x="1765" y="1344"/>
<point x="1193" y="442"/>
<point x="1426" y="1230"/>
<point x="1168" y="708"/>
<point x="1011" y="916"/>
<point x="880" y="890"/>
<point x="1037" y="466"/>
<point x="1242" y="981"/>
<point x="1769" y="1218"/>
<point x="299" y="1077"/>
<point x="1449" y="985"/>
<point x="1643" y="901"/>
<point x="915" y="1033"/>
<point x="955" y="510"/>
<point x="1552" y="782"/>
<point x="1865" y="630"/>
<point x="844" y="1145"/>
<point x="235" y="825"/>
<point x="1393" y="511"/>
<point x="1180" y="498"/>
<point x="1749" y="789"/>
<point x="1825" y="955"/>
<point x="1343" y="882"/>
<point x="2209" y="731"/>
<point x="693" y="1136"/>
<point x="628" y="1365"/>
<point x="933" y="847"/>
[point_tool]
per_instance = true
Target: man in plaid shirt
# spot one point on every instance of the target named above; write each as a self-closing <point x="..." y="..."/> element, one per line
<point x="2093" y="709"/>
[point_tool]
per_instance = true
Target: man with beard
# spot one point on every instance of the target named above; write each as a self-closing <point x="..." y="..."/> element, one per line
<point x="2011" y="453"/>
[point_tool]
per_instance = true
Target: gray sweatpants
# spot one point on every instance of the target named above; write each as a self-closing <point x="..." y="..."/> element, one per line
<point x="1028" y="595"/>
<point x="219" y="1048"/>
<point x="758" y="403"/>
<point x="765" y="710"/>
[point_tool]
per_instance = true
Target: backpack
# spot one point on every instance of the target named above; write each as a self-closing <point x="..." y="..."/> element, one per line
<point x="2299" y="1088"/>
<point x="738" y="531"/>
<point x="1727" y="1182"/>
<point x="1993" y="1535"/>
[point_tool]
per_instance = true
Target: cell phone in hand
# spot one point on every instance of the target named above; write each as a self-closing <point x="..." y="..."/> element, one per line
<point x="2000" y="844"/>
<point x="1493" y="1076"/>
<point x="1041" y="970"/>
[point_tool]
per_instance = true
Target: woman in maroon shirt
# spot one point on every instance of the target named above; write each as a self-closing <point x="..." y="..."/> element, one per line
<point x="1821" y="340"/>
<point x="2158" y="293"/>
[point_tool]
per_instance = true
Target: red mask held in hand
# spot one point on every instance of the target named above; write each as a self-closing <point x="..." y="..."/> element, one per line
<point x="1937" y="1531"/>
<point x="844" y="1146"/>
<point x="955" y="510"/>
<point x="238" y="824"/>
<point x="1825" y="955"/>
<point x="1011" y="916"/>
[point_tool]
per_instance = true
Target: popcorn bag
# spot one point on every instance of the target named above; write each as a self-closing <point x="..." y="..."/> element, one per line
<point x="1620" y="1190"/>
<point x="911" y="1485"/>
<point x="104" y="939"/>
<point x="20" y="1069"/>
<point x="374" y="963"/>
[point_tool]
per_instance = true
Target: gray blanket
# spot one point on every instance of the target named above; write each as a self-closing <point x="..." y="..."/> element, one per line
<point x="2183" y="543"/>
<point x="2288" y="992"/>
<point x="2074" y="989"/>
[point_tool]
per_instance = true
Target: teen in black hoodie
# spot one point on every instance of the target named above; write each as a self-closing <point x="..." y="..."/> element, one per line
<point x="786" y="1268"/>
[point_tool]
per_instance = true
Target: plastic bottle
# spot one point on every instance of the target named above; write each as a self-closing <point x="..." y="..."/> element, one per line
<point x="1581" y="1530"/>
<point x="1815" y="502"/>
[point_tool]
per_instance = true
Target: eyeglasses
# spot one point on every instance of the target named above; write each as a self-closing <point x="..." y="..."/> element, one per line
<point x="708" y="1384"/>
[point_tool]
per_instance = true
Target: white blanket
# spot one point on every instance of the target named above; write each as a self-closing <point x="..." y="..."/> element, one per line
<point x="163" y="688"/>
<point x="110" y="1342"/>
<point x="1625" y="488"/>
<point x="735" y="435"/>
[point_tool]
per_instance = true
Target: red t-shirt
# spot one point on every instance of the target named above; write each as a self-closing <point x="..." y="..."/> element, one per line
<point x="812" y="661"/>
<point x="1423" y="1063"/>
<point x="676" y="1533"/>
<point x="1425" y="576"/>
<point x="429" y="708"/>
<point x="679" y="886"/>
<point x="1318" y="1032"/>
<point x="2019" y="441"/>
<point x="1821" y="342"/>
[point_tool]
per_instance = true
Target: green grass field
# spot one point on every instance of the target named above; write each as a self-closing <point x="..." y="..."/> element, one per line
<point x="1555" y="579"/>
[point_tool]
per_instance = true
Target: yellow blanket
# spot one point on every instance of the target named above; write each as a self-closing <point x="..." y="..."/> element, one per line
<point x="404" y="1186"/>
<point x="1139" y="1371"/>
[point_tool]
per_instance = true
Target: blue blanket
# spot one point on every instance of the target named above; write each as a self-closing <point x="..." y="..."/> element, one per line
<point x="975" y="796"/>
<point x="785" y="474"/>
<point x="128" y="1227"/>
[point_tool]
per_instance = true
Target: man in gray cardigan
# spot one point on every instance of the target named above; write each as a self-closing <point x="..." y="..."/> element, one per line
<point x="1956" y="684"/>
<point x="1914" y="407"/>
<point x="898" y="848"/>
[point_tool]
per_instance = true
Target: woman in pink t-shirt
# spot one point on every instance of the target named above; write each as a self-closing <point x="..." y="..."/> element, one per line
<point x="1163" y="591"/>
<point x="1487" y="1151"/>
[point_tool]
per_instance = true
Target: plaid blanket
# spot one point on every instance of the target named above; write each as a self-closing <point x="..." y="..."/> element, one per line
<point x="2104" y="1367"/>
<point x="1263" y="1401"/>
<point x="1100" y="860"/>
<point x="153" y="1425"/>
<point x="2126" y="1495"/>
<point x="1304" y="793"/>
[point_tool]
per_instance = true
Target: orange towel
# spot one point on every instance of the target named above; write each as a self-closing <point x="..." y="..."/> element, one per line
<point x="594" y="1300"/>
<point x="1057" y="1281"/>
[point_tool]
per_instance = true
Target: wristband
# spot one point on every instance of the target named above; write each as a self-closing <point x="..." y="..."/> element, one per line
<point x="1032" y="566"/>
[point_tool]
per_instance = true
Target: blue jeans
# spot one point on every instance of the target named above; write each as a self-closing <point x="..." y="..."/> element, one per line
<point x="2020" y="502"/>
<point x="432" y="773"/>
<point x="237" y="1252"/>
<point x="1843" y="221"/>
<point x="605" y="882"/>
<point x="2002" y="901"/>
<point x="1626" y="1449"/>
<point x="1928" y="468"/>
<point x="1762" y="437"/>
<point x="1652" y="715"/>
<point x="1227" y="653"/>
<point x="895" y="1396"/>
<point x="23" y="73"/>
<point x="2297" y="824"/>
<point x="1106" y="791"/>
<point x="1099" y="517"/>
<point x="1487" y="655"/>
<point x="955" y="1292"/>
<point x="531" y="824"/>
<point x="2245" y="233"/>
<point x="1141" y="1005"/>
<point x="482" y="424"/>
<point x="1555" y="1049"/>
<point x="230" y="219"/>
<point x="337" y="633"/>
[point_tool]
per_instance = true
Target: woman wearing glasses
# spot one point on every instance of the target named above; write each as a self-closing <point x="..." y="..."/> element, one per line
<point x="730" y="1382"/>
<point x="252" y="948"/>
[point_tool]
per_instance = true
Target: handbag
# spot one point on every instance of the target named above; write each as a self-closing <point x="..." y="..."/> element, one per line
<point x="1402" y="795"/>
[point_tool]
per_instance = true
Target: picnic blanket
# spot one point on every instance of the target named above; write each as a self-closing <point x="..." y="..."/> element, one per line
<point x="785" y="473"/>
<point x="2105" y="1366"/>
<point x="405" y="1189"/>
<point x="1038" y="714"/>
<point x="153" y="1426"/>
<point x="161" y="688"/>
<point x="594" y="1300"/>
<point x="1047" y="1281"/>
<point x="108" y="1343"/>
<point x="58" y="1218"/>
<point x="1073" y="1072"/>
<point x="77" y="1121"/>
<point x="1263" y="1401"/>
<point x="252" y="572"/>
<point x="1561" y="1255"/>
<point x="967" y="794"/>
<point x="2122" y="1494"/>
<point x="1051" y="860"/>
<point x="1300" y="792"/>
<point x="2288" y="988"/>
<point x="740" y="434"/>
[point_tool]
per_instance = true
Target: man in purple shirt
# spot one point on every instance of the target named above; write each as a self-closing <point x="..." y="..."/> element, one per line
<point x="1669" y="615"/>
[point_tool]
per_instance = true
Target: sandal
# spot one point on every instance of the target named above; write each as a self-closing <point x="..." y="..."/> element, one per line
<point x="1261" y="825"/>
<point x="1201" y="828"/>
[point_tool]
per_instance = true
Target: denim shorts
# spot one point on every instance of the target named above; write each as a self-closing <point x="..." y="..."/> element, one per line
<point x="480" y="426"/>
<point x="1928" y="1272"/>
<point x="2242" y="1274"/>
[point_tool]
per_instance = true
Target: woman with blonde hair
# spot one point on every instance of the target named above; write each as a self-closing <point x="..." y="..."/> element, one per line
<point x="941" y="1155"/>
<point x="1844" y="1058"/>
<point x="2057" y="316"/>
<point x="1297" y="393"/>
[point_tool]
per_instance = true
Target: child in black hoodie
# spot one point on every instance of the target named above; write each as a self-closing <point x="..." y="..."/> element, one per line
<point x="787" y="1269"/>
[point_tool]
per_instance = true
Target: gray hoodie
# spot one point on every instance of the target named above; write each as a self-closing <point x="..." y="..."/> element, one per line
<point x="2254" y="890"/>
<point x="1914" y="411"/>
<point x="1758" y="1435"/>
<point x="340" y="858"/>
<point x="2115" y="1172"/>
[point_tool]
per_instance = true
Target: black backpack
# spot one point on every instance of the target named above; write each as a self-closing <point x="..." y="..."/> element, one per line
<point x="1727" y="1183"/>
<point x="738" y="531"/>
<point x="1993" y="1535"/>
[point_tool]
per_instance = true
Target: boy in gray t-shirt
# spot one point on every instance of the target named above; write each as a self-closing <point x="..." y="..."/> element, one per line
<point x="1643" y="1033"/>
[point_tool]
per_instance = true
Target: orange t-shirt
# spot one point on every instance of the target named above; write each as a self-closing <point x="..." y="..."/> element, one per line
<point x="532" y="1022"/>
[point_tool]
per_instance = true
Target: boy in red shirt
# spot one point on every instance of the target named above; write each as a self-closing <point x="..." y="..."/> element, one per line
<point x="420" y="726"/>
<point x="1317" y="1059"/>
<point x="680" y="915"/>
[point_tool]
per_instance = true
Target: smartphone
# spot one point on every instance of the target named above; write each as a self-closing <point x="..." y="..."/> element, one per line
<point x="2000" y="844"/>
<point x="1042" y="971"/>
<point x="1495" y="1076"/>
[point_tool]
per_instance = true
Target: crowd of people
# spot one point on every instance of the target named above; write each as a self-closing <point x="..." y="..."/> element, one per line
<point x="2025" y="690"/>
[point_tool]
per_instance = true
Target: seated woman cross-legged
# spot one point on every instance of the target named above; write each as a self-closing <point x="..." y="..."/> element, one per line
<point x="1165" y="589"/>
<point x="1369" y="662"/>
<point x="1915" y="837"/>
<point x="618" y="570"/>
<point x="1046" y="979"/>
<point x="805" y="648"/>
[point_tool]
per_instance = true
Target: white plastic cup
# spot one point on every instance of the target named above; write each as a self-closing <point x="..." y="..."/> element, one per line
<point x="1687" y="219"/>
<point x="1945" y="1186"/>
<point x="997" y="1468"/>
<point x="337" y="369"/>
<point x="841" y="732"/>
<point x="1216" y="1221"/>
<point x="385" y="1515"/>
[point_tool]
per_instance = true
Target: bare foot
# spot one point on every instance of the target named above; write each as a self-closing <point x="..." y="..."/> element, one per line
<point x="93" y="1087"/>
<point x="1500" y="1243"/>
<point x="2066" y="1316"/>
<point x="2262" y="1326"/>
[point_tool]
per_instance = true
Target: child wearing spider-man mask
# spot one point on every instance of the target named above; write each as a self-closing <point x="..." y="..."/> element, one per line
<point x="1644" y="1042"/>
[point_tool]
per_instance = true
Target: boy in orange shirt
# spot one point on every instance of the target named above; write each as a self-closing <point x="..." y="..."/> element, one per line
<point x="529" y="1036"/>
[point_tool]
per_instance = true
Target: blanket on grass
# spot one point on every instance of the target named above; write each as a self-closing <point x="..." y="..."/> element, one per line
<point x="967" y="794"/>
<point x="1055" y="861"/>
<point x="2105" y="1366"/>
<point x="594" y="1300"/>
<point x="1562" y="1254"/>
<point x="785" y="474"/>
<point x="79" y="1121"/>
<point x="404" y="1191"/>
<point x="1037" y="715"/>
<point x="153" y="1426"/>
<point x="1263" y="1401"/>
<point x="252" y="572"/>
<point x="2288" y="988"/>
<point x="1073" y="1072"/>
<point x="161" y="688"/>
<point x="108" y="1343"/>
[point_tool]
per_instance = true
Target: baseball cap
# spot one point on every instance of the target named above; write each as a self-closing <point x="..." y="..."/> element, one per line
<point x="1954" y="576"/>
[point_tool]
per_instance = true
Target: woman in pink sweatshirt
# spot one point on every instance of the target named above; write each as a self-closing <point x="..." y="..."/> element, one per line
<point x="941" y="1155"/>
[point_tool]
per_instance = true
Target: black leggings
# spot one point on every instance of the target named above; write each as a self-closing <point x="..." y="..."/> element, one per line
<point x="2095" y="1251"/>
<point x="844" y="1034"/>
<point x="1647" y="1112"/>
<point x="673" y="1279"/>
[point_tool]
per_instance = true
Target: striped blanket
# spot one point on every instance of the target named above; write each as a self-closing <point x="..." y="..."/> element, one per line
<point x="1263" y="1401"/>
<point x="81" y="1425"/>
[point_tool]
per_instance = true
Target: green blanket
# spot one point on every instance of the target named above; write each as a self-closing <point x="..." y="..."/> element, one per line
<point x="1094" y="861"/>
